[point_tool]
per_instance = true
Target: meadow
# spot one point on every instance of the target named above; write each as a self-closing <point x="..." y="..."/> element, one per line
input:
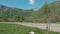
<point x="19" y="29"/>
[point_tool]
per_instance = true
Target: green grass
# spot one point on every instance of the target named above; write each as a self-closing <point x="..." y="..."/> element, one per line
<point x="19" y="29"/>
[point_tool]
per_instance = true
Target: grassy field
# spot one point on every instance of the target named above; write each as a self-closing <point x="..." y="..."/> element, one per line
<point x="19" y="29"/>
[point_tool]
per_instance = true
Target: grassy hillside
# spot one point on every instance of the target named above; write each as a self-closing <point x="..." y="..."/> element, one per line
<point x="50" y="12"/>
<point x="19" y="29"/>
<point x="16" y="14"/>
<point x="9" y="13"/>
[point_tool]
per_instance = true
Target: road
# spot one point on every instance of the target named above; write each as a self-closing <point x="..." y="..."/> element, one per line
<point x="53" y="27"/>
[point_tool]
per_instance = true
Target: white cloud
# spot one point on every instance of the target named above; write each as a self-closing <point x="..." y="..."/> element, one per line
<point x="31" y="2"/>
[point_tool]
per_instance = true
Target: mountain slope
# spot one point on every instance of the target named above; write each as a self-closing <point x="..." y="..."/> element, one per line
<point x="32" y="15"/>
<point x="8" y="12"/>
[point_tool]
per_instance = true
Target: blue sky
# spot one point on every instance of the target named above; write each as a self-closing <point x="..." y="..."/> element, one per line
<point x="23" y="4"/>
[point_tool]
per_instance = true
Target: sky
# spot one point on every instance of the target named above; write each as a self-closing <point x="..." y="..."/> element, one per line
<point x="24" y="4"/>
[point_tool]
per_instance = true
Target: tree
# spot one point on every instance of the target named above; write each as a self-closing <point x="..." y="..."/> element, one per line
<point x="18" y="18"/>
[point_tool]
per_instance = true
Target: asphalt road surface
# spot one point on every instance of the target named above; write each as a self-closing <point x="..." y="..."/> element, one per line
<point x="52" y="27"/>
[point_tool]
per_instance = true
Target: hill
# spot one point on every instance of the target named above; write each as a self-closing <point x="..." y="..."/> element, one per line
<point x="8" y="12"/>
<point x="48" y="13"/>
